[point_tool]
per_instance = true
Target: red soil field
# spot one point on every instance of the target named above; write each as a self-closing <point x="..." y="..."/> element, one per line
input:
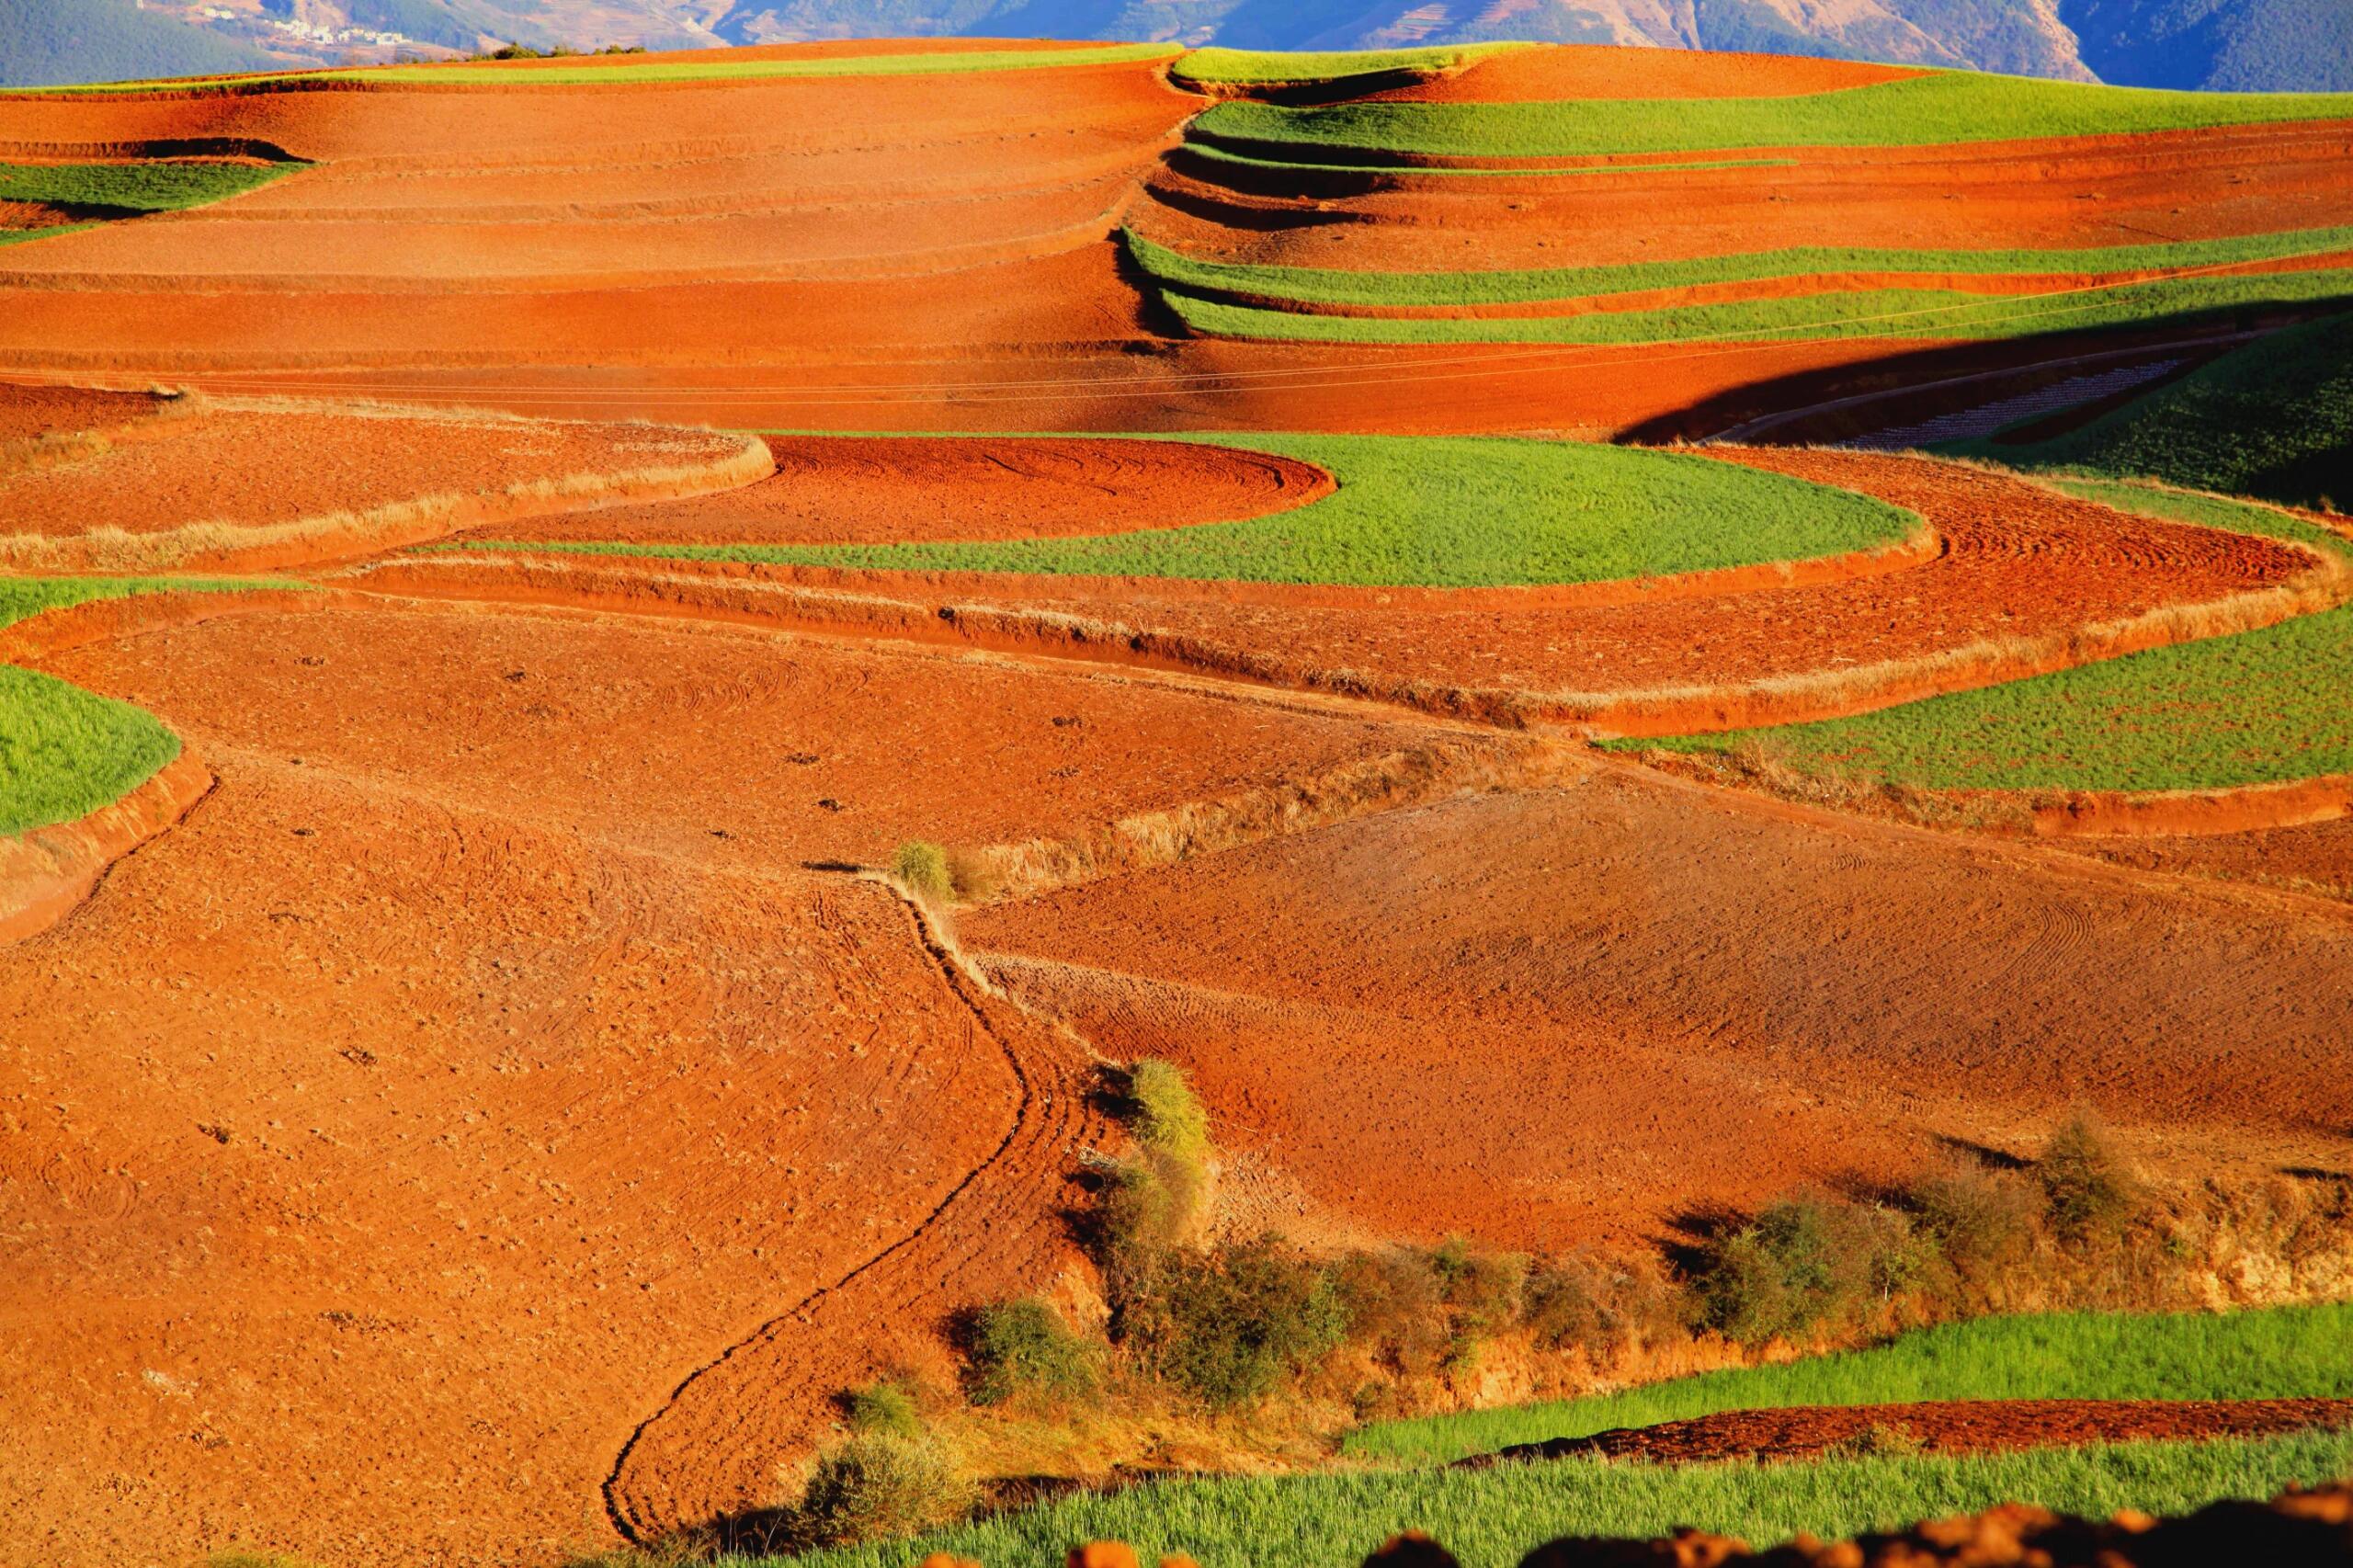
<point x="1946" y="1427"/>
<point x="835" y="490"/>
<point x="546" y="1072"/>
<point x="1587" y="71"/>
<point x="29" y="412"/>
<point x="1547" y="1018"/>
<point x="2093" y="191"/>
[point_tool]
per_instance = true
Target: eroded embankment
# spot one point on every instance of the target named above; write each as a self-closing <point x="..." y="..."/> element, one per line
<point x="46" y="872"/>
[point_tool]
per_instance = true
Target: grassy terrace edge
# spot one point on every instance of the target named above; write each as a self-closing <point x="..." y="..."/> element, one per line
<point x="1921" y="312"/>
<point x="637" y="69"/>
<point x="1939" y="108"/>
<point x="2272" y="419"/>
<point x="1446" y="512"/>
<point x="2255" y="1353"/>
<point x="1489" y="1518"/>
<point x="2253" y="708"/>
<point x="1263" y="67"/>
<point x="1535" y="285"/>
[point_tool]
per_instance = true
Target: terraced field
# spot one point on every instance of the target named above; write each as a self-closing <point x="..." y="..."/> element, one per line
<point x="621" y="678"/>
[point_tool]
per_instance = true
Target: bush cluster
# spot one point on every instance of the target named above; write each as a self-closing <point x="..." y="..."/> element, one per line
<point x="1024" y="1351"/>
<point x="1813" y="1263"/>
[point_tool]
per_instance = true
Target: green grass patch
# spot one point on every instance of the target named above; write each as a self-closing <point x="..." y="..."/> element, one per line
<point x="2265" y="707"/>
<point x="2269" y="1353"/>
<point x="21" y="598"/>
<point x="1438" y="511"/>
<point x="1489" y="1518"/>
<point x="2273" y="418"/>
<point x="655" y="68"/>
<point x="1251" y="67"/>
<point x="1863" y="313"/>
<point x="65" y="752"/>
<point x="129" y="189"/>
<point x="1339" y="286"/>
<point x="1939" y="108"/>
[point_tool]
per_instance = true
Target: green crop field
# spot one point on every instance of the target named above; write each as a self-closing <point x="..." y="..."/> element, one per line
<point x="65" y="752"/>
<point x="126" y="189"/>
<point x="2261" y="707"/>
<point x="1861" y="312"/>
<point x="1939" y="108"/>
<point x="2273" y="418"/>
<point x="2269" y="1353"/>
<point x="653" y="68"/>
<point x="1340" y="287"/>
<point x="1441" y="512"/>
<point x="1490" y="1517"/>
<point x="1245" y="67"/>
<point x="24" y="597"/>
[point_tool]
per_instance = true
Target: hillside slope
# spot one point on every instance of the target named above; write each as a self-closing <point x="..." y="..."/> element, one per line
<point x="96" y="41"/>
<point x="2232" y="45"/>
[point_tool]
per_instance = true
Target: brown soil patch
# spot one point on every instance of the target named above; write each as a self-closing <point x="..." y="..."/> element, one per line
<point x="1542" y="1018"/>
<point x="1951" y="1426"/>
<point x="845" y="490"/>
<point x="1600" y="71"/>
<point x="29" y="412"/>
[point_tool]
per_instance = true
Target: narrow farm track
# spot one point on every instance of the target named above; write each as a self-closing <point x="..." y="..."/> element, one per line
<point x="711" y="1451"/>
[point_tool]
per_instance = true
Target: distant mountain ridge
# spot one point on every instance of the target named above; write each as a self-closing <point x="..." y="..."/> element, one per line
<point x="2236" y="45"/>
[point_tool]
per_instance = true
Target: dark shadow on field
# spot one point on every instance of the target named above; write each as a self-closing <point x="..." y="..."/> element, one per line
<point x="1692" y="1235"/>
<point x="1983" y="1153"/>
<point x="1906" y="386"/>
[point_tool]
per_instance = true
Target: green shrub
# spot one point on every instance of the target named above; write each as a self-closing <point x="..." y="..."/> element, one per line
<point x="880" y="1484"/>
<point x="1148" y="1205"/>
<point x="1803" y="1263"/>
<point x="1980" y="1221"/>
<point x="884" y="1409"/>
<point x="1229" y="1328"/>
<point x="2089" y="1191"/>
<point x="1023" y="1351"/>
<point x="1168" y="1116"/>
<point x="922" y="868"/>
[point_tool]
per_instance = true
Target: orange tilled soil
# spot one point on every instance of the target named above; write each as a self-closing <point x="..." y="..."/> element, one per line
<point x="2058" y="195"/>
<point x="731" y="748"/>
<point x="1953" y="1427"/>
<point x="1548" y="1018"/>
<point x="479" y="1063"/>
<point x="258" y="466"/>
<point x="2020" y="561"/>
<point x="844" y="490"/>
